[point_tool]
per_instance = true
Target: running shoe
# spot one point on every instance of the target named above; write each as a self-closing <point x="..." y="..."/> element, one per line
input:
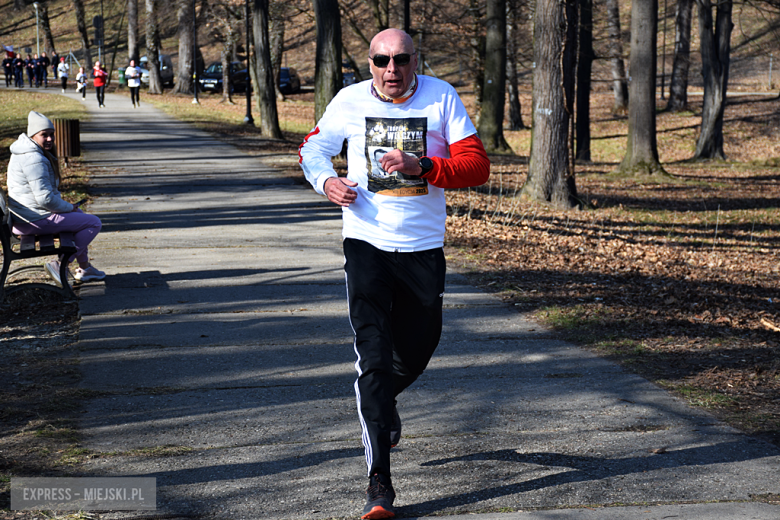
<point x="379" y="498"/>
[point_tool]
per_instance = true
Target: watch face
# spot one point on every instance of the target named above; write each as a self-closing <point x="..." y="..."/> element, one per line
<point x="426" y="164"/>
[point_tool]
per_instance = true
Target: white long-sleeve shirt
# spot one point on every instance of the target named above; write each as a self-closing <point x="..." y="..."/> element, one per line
<point x="393" y="212"/>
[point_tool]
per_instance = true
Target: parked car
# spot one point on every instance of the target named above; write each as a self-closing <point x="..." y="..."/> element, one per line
<point x="166" y="70"/>
<point x="210" y="80"/>
<point x="289" y="82"/>
<point x="349" y="78"/>
<point x="348" y="74"/>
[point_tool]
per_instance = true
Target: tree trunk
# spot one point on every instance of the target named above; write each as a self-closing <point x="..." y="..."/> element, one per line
<point x="715" y="58"/>
<point x="48" y="38"/>
<point x="276" y="35"/>
<point x="184" y="15"/>
<point x="327" y="73"/>
<point x="132" y="31"/>
<point x="512" y="21"/>
<point x="615" y="53"/>
<point x="642" y="149"/>
<point x="153" y="47"/>
<point x="491" y="119"/>
<point x="381" y="11"/>
<point x="478" y="53"/>
<point x="227" y="94"/>
<point x="584" y="68"/>
<point x="266" y="91"/>
<point x="550" y="172"/>
<point x="678" y="83"/>
<point x="78" y="8"/>
<point x="117" y="40"/>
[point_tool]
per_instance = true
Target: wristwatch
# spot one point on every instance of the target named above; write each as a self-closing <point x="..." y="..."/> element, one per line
<point x="426" y="164"/>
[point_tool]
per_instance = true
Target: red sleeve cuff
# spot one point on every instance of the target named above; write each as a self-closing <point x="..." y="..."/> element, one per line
<point x="467" y="166"/>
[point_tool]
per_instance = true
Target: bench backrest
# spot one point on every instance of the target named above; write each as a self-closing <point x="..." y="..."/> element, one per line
<point x="5" y="228"/>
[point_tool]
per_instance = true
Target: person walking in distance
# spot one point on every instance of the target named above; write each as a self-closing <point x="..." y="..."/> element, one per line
<point x="81" y="83"/>
<point x="99" y="81"/>
<point x="133" y="75"/>
<point x="62" y="73"/>
<point x="44" y="64"/>
<point x="19" y="71"/>
<point x="29" y="67"/>
<point x="8" y="70"/>
<point x="55" y="62"/>
<point x="409" y="137"/>
<point x="37" y="69"/>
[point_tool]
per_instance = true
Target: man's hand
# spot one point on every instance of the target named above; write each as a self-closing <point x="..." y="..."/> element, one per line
<point x="398" y="161"/>
<point x="338" y="190"/>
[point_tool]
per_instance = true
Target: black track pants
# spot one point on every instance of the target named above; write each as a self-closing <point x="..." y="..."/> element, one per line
<point x="395" y="308"/>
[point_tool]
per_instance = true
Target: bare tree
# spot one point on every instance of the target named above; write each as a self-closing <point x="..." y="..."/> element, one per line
<point x="266" y="91"/>
<point x="225" y="21"/>
<point x="153" y="47"/>
<point x="132" y="31"/>
<point x="584" y="68"/>
<point x="491" y="119"/>
<point x="512" y="21"/>
<point x="678" y="84"/>
<point x="381" y="11"/>
<point x="184" y="15"/>
<point x="48" y="38"/>
<point x="327" y="72"/>
<point x="477" y="51"/>
<point x="350" y="14"/>
<point x="615" y="53"/>
<point x="277" y="22"/>
<point x="715" y="58"/>
<point x="78" y="8"/>
<point x="551" y="169"/>
<point x="642" y="148"/>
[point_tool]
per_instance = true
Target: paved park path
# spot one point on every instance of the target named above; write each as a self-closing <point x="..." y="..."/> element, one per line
<point x="218" y="356"/>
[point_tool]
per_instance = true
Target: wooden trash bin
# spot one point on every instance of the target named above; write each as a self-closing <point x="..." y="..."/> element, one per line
<point x="67" y="138"/>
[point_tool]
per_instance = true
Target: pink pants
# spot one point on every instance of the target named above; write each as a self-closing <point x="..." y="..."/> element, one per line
<point x="84" y="226"/>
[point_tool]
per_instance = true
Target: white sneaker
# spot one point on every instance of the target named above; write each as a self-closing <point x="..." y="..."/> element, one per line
<point x="90" y="274"/>
<point x="53" y="270"/>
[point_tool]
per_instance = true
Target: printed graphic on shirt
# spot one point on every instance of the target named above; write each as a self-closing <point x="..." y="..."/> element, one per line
<point x="384" y="135"/>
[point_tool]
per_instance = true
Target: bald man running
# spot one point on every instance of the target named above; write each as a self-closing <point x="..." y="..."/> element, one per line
<point x="409" y="137"/>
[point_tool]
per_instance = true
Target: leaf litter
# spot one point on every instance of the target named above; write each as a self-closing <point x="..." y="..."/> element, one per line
<point x="674" y="277"/>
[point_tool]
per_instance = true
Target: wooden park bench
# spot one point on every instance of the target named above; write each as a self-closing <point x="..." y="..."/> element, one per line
<point x="32" y="246"/>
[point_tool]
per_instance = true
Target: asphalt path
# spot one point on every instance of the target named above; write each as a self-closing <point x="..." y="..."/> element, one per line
<point x="216" y="357"/>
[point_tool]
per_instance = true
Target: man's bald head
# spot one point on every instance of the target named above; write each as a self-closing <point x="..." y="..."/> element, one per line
<point x="392" y="80"/>
<point x="392" y="36"/>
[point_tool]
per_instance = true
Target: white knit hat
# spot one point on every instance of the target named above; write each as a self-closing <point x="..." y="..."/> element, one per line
<point x="38" y="122"/>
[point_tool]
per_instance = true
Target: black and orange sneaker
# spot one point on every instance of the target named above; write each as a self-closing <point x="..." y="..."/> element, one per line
<point x="379" y="498"/>
<point x="395" y="429"/>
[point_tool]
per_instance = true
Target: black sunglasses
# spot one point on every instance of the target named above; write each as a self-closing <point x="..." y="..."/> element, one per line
<point x="382" y="61"/>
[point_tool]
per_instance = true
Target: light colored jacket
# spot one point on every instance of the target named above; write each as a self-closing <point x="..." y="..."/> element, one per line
<point x="63" y="69"/>
<point x="32" y="183"/>
<point x="133" y="75"/>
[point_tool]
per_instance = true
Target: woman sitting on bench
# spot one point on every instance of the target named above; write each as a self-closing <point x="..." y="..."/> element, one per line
<point x="36" y="204"/>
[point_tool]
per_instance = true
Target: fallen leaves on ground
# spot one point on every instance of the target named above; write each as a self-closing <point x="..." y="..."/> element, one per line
<point x="676" y="277"/>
